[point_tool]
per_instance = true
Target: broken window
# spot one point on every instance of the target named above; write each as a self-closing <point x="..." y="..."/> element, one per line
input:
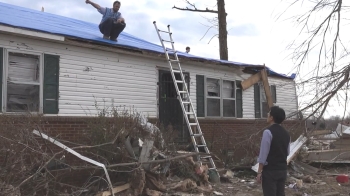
<point x="23" y="82"/>
<point x="213" y="97"/>
<point x="220" y="98"/>
<point x="229" y="103"/>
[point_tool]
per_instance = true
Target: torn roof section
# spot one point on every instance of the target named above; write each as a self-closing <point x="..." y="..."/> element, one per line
<point x="25" y="18"/>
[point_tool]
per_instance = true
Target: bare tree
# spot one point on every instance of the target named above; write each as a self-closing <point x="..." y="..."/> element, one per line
<point x="324" y="52"/>
<point x="221" y="23"/>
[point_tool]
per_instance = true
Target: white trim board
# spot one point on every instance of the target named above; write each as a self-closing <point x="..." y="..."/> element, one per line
<point x="30" y="33"/>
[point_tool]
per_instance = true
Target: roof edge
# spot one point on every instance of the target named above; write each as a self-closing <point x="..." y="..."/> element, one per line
<point x="30" y="32"/>
<point x="131" y="50"/>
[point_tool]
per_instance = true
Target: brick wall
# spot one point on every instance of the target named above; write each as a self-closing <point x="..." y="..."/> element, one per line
<point x="237" y="141"/>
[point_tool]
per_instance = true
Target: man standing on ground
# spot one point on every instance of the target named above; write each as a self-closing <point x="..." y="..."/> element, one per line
<point x="274" y="150"/>
<point x="112" y="23"/>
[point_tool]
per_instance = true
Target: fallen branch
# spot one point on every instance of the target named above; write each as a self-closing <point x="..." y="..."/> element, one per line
<point x="39" y="170"/>
<point x="100" y="145"/>
<point x="44" y="136"/>
<point x="115" y="189"/>
<point x="155" y="161"/>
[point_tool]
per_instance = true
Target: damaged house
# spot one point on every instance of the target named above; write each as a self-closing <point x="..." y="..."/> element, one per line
<point x="61" y="67"/>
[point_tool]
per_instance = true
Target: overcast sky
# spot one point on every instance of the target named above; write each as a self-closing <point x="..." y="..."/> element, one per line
<point x="255" y="33"/>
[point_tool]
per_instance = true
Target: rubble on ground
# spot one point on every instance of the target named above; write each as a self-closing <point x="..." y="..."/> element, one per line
<point x="329" y="146"/>
<point x="129" y="156"/>
<point x="316" y="148"/>
<point x="139" y="161"/>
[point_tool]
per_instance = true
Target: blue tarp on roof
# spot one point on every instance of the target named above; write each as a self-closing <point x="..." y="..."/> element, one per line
<point x="54" y="24"/>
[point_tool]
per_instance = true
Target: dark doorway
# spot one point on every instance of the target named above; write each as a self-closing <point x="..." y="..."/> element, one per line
<point x="170" y="112"/>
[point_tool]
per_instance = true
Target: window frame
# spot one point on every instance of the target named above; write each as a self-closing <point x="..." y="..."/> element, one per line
<point x="5" y="79"/>
<point x="221" y="80"/>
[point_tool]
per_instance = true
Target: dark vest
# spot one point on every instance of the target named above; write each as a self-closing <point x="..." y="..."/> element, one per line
<point x="277" y="158"/>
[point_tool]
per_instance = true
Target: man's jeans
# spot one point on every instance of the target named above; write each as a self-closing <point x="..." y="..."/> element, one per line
<point x="110" y="29"/>
<point x="273" y="182"/>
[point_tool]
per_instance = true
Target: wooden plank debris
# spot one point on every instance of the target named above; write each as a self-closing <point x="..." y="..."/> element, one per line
<point x="295" y="147"/>
<point x="262" y="75"/>
<point x="115" y="190"/>
<point x="320" y="132"/>
<point x="329" y="156"/>
<point x="341" y="143"/>
<point x="303" y="168"/>
<point x="251" y="81"/>
<point x="145" y="154"/>
<point x="267" y="89"/>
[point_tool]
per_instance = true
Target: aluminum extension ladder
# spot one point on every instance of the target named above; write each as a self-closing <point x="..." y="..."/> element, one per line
<point x="184" y="98"/>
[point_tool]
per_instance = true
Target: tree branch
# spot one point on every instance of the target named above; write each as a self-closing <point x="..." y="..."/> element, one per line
<point x="195" y="8"/>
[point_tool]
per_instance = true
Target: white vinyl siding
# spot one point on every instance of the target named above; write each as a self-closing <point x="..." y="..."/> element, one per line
<point x="89" y="76"/>
<point x="109" y="78"/>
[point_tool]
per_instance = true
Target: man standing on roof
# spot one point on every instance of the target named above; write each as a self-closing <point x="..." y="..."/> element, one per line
<point x="274" y="149"/>
<point x="112" y="23"/>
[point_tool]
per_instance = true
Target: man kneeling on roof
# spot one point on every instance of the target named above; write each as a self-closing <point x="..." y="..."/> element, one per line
<point x="112" y="23"/>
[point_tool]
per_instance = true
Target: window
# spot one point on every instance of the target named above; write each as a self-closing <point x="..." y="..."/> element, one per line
<point x="229" y="95"/>
<point x="220" y="98"/>
<point x="30" y="82"/>
<point x="261" y="105"/>
<point x="213" y="97"/>
<point x="23" y="82"/>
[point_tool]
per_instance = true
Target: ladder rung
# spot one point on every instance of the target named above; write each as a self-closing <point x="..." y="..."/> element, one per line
<point x="189" y="113"/>
<point x="176" y="61"/>
<point x="183" y="92"/>
<point x="176" y="71"/>
<point x="179" y="81"/>
<point x="186" y="102"/>
<point x="197" y="135"/>
<point x="201" y="146"/>
<point x="167" y="41"/>
<point x="193" y="124"/>
<point x="164" y="31"/>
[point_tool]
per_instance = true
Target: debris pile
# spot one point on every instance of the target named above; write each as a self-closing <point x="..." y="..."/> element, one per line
<point x="120" y="154"/>
<point x="127" y="155"/>
<point x="328" y="146"/>
<point x="324" y="149"/>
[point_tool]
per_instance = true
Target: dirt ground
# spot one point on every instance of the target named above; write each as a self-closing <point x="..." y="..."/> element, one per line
<point x="242" y="183"/>
<point x="239" y="188"/>
<point x="246" y="186"/>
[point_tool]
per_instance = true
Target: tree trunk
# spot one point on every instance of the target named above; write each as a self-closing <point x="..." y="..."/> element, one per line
<point x="222" y="30"/>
